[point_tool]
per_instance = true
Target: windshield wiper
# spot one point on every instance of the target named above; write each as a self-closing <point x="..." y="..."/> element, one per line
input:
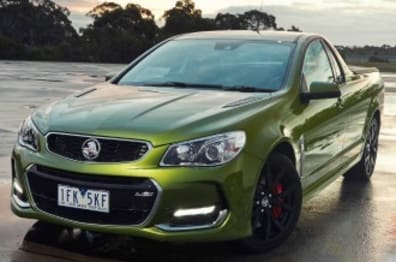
<point x="241" y="88"/>
<point x="182" y="84"/>
<point x="247" y="89"/>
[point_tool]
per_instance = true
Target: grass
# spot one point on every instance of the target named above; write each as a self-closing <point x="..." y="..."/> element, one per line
<point x="383" y="67"/>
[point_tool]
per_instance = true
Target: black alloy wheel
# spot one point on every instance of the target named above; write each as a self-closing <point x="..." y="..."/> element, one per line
<point x="364" y="169"/>
<point x="277" y="204"/>
<point x="371" y="148"/>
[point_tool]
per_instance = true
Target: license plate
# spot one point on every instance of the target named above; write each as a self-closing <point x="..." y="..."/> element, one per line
<point x="81" y="198"/>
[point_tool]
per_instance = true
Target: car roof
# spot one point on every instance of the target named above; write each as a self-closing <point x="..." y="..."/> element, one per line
<point x="269" y="35"/>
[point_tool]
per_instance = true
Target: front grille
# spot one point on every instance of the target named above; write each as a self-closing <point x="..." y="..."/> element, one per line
<point x="112" y="150"/>
<point x="126" y="208"/>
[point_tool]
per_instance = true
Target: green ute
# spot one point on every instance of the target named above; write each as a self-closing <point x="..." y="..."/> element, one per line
<point x="208" y="136"/>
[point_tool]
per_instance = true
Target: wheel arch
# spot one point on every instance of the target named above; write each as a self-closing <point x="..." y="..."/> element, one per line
<point x="284" y="147"/>
<point x="376" y="108"/>
<point x="377" y="115"/>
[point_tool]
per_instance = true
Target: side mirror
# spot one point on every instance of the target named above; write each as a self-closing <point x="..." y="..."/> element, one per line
<point x="108" y="77"/>
<point x="321" y="90"/>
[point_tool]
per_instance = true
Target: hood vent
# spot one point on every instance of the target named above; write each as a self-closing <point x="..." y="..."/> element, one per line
<point x="85" y="92"/>
<point x="244" y="101"/>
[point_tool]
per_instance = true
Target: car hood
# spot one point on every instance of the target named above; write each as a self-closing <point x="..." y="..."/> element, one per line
<point x="160" y="115"/>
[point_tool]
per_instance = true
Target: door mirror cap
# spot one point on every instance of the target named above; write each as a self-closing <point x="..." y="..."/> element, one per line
<point x="321" y="90"/>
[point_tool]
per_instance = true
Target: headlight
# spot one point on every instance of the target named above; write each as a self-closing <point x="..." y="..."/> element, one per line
<point x="28" y="135"/>
<point x="207" y="151"/>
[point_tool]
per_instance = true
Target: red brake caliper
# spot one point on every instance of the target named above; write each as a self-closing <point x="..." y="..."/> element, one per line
<point x="277" y="210"/>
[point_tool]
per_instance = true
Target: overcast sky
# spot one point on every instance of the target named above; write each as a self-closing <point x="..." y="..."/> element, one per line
<point x="348" y="22"/>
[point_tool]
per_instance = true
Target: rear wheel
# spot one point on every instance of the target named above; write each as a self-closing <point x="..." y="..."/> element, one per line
<point x="277" y="205"/>
<point x="365" y="168"/>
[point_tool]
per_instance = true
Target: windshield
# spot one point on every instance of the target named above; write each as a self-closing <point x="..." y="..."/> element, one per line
<point x="213" y="63"/>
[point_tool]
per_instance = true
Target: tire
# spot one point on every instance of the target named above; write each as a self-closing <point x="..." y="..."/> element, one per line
<point x="364" y="169"/>
<point x="49" y="228"/>
<point x="276" y="207"/>
<point x="44" y="232"/>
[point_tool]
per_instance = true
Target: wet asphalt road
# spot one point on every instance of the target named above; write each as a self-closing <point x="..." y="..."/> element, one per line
<point x="348" y="221"/>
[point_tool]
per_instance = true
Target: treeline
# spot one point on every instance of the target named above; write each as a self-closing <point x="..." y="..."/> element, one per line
<point x="41" y="29"/>
<point x="372" y="54"/>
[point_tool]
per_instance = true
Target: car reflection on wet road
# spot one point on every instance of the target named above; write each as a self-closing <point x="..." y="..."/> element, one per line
<point x="348" y="221"/>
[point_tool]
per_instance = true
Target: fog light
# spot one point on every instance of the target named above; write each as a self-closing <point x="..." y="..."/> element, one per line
<point x="18" y="193"/>
<point x="194" y="211"/>
<point x="17" y="187"/>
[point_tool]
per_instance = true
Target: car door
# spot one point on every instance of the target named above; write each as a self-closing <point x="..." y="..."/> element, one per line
<point x="324" y="118"/>
<point x="355" y="104"/>
<point x="355" y="107"/>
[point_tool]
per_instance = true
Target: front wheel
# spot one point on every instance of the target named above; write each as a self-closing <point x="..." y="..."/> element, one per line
<point x="277" y="205"/>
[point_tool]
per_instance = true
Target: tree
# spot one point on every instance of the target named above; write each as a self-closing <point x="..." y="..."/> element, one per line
<point x="377" y="59"/>
<point x="229" y="21"/>
<point x="119" y="34"/>
<point x="35" y="22"/>
<point x="294" y="29"/>
<point x="250" y="20"/>
<point x="258" y="20"/>
<point x="291" y="29"/>
<point x="41" y="29"/>
<point x="184" y="18"/>
<point x="106" y="7"/>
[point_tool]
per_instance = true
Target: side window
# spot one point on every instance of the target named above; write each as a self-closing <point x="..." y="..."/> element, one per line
<point x="317" y="67"/>
<point x="337" y="70"/>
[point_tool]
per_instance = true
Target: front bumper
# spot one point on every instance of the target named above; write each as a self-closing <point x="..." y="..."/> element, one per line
<point x="232" y="185"/>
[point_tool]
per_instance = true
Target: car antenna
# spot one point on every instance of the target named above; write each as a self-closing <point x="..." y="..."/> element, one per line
<point x="258" y="24"/>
